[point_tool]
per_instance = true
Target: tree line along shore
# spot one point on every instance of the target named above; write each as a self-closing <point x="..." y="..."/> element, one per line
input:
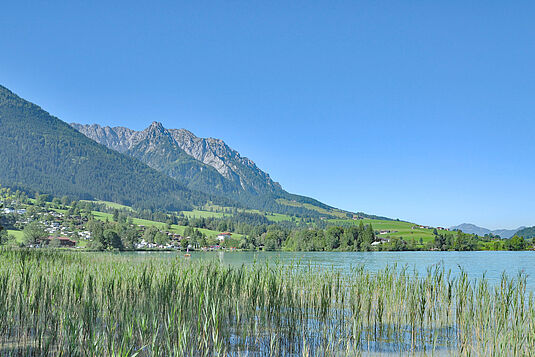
<point x="45" y="221"/>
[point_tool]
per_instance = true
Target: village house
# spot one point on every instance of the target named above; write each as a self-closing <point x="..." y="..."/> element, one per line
<point x="223" y="236"/>
<point x="85" y="234"/>
<point x="380" y="241"/>
<point x="174" y="236"/>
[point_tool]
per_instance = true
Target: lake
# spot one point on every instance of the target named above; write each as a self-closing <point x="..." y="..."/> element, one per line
<point x="475" y="264"/>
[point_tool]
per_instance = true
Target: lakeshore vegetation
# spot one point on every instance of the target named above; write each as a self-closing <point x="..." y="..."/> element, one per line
<point x="101" y="225"/>
<point x="86" y="304"/>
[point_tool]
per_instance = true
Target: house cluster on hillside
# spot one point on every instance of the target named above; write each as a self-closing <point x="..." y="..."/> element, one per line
<point x="175" y="242"/>
<point x="385" y="231"/>
<point x="146" y="245"/>
<point x="14" y="211"/>
<point x="56" y="224"/>
<point x="429" y="227"/>
<point x="66" y="229"/>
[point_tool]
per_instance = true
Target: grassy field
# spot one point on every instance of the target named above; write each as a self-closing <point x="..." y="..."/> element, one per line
<point x="334" y="212"/>
<point x="112" y="205"/>
<point x="398" y="228"/>
<point x="220" y="212"/>
<point x="104" y="304"/>
<point x="19" y="235"/>
<point x="204" y="214"/>
<point x="174" y="228"/>
<point x="277" y="217"/>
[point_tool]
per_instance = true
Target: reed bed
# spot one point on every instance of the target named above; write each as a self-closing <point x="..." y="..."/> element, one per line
<point x="88" y="304"/>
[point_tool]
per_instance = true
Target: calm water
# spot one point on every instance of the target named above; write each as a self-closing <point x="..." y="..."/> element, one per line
<point x="475" y="264"/>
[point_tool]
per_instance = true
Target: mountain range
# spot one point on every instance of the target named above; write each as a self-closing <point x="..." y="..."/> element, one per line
<point x="480" y="231"/>
<point x="202" y="164"/>
<point x="206" y="164"/>
<point x="40" y="153"/>
<point x="157" y="168"/>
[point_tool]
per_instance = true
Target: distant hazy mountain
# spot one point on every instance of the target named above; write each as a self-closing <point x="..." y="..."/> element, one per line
<point x="480" y="231"/>
<point x="41" y="153"/>
<point x="205" y="164"/>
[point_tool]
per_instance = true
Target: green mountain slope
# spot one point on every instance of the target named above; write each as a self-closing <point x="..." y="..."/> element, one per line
<point x="42" y="153"/>
<point x="527" y="233"/>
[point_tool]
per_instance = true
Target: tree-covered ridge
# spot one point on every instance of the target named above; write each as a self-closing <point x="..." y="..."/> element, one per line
<point x="40" y="153"/>
<point x="526" y="233"/>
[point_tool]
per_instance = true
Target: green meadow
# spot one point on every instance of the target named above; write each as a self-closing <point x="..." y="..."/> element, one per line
<point x="221" y="211"/>
<point x="204" y="214"/>
<point x="111" y="205"/>
<point x="333" y="212"/>
<point x="398" y="229"/>
<point x="174" y="228"/>
<point x="19" y="235"/>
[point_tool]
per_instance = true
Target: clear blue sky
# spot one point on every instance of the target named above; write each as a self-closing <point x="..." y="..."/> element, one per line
<point x="418" y="110"/>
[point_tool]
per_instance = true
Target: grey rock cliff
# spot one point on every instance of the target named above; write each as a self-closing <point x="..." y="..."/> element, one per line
<point x="208" y="151"/>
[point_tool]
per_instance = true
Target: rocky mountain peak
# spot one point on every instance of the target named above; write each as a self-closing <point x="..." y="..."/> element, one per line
<point x="208" y="151"/>
<point x="156" y="126"/>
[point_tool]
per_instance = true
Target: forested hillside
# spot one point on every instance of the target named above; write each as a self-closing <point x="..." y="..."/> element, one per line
<point x="526" y="233"/>
<point x="39" y="152"/>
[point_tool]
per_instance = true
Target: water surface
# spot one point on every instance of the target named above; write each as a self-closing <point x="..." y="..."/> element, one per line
<point x="475" y="264"/>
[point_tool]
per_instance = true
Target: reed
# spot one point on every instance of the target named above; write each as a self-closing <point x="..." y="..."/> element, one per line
<point x="87" y="304"/>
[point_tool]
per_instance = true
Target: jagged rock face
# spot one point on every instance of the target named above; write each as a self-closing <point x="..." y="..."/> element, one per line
<point x="228" y="162"/>
<point x="208" y="151"/>
<point x="118" y="138"/>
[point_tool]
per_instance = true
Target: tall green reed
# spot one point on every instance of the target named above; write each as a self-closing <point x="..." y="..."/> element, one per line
<point x="87" y="304"/>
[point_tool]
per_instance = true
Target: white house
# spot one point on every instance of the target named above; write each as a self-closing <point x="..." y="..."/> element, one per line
<point x="225" y="235"/>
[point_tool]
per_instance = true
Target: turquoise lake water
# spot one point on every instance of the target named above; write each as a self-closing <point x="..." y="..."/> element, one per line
<point x="475" y="264"/>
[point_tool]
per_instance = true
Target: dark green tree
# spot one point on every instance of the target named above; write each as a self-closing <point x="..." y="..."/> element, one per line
<point x="3" y="236"/>
<point x="150" y="234"/>
<point x="34" y="233"/>
<point x="333" y="237"/>
<point x="367" y="238"/>
<point x="272" y="240"/>
<point x="161" y="238"/>
<point x="515" y="243"/>
<point x="116" y="215"/>
<point x="130" y="237"/>
<point x="112" y="240"/>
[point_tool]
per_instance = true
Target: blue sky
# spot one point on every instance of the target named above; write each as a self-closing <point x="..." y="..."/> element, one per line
<point x="418" y="110"/>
